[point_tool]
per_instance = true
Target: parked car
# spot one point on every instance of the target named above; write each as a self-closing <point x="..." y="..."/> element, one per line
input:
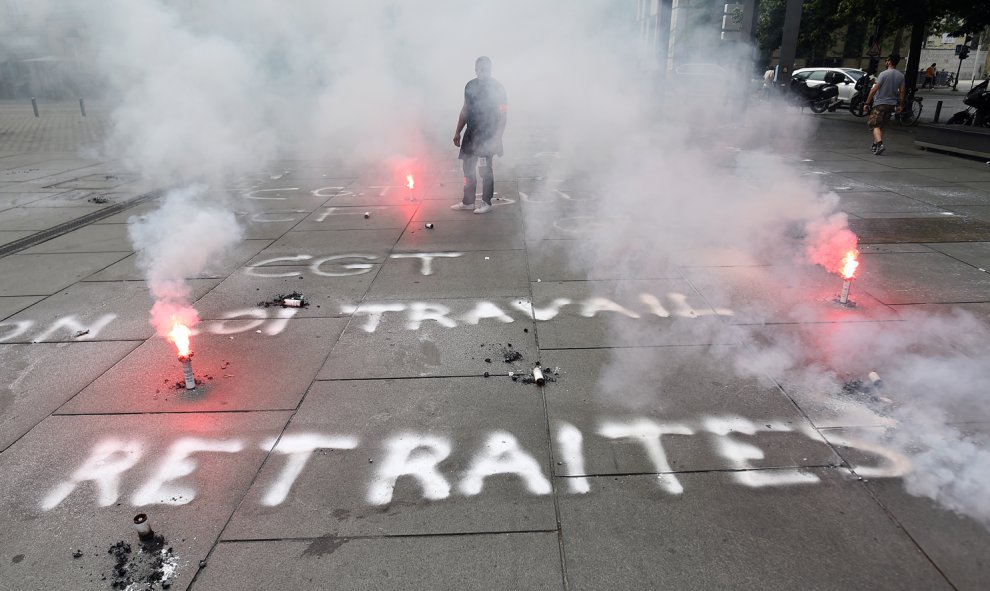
<point x="816" y="77"/>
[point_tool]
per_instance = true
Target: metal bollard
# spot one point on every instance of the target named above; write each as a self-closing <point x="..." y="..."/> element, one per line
<point x="34" y="105"/>
<point x="82" y="107"/>
<point x="938" y="111"/>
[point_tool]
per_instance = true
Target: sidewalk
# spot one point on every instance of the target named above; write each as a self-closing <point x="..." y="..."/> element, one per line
<point x="380" y="436"/>
<point x="952" y="100"/>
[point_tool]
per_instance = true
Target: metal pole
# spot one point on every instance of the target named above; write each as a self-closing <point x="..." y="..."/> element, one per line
<point x="956" y="83"/>
<point x="938" y="111"/>
<point x="82" y="107"/>
<point x="749" y="20"/>
<point x="788" y="46"/>
<point x="34" y="105"/>
<point x="976" y="61"/>
<point x="661" y="49"/>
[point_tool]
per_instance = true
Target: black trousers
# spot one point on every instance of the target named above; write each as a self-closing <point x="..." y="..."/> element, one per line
<point x="471" y="167"/>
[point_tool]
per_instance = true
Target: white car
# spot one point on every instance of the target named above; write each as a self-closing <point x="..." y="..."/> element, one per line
<point x="816" y="77"/>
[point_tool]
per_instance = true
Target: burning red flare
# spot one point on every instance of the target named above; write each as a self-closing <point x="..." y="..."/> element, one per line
<point x="180" y="336"/>
<point x="409" y="181"/>
<point x="849" y="264"/>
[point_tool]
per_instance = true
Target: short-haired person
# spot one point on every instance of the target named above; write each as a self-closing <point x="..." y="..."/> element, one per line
<point x="929" y="77"/>
<point x="887" y="96"/>
<point x="485" y="114"/>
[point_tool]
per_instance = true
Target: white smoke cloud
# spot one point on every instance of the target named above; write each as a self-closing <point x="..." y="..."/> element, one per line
<point x="212" y="91"/>
<point x="176" y="242"/>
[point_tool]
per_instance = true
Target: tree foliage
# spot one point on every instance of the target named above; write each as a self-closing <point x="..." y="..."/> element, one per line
<point x="821" y="23"/>
<point x="966" y="16"/>
<point x="822" y="20"/>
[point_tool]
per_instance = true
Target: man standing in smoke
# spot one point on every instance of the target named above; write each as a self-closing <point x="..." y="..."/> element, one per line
<point x="888" y="93"/>
<point x="484" y="113"/>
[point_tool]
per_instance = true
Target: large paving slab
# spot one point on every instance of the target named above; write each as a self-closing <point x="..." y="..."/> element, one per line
<point x="687" y="401"/>
<point x="505" y="205"/>
<point x="244" y="370"/>
<point x="45" y="274"/>
<point x="186" y="472"/>
<point x="221" y="265"/>
<point x="956" y="543"/>
<point x="369" y="196"/>
<point x="39" y="378"/>
<point x="913" y="229"/>
<point x="946" y="196"/>
<point x="976" y="254"/>
<point x="922" y="278"/>
<point x="847" y="165"/>
<point x="518" y="561"/>
<point x="10" y="305"/>
<point x="6" y="237"/>
<point x="406" y="457"/>
<point x="371" y="217"/>
<point x="830" y="398"/>
<point x="324" y="295"/>
<point x="892" y="180"/>
<point x="475" y="233"/>
<point x="573" y="260"/>
<point x="36" y="218"/>
<point x="979" y="212"/>
<point x="452" y="274"/>
<point x="883" y="202"/>
<point x="263" y="201"/>
<point x="958" y="174"/>
<point x="580" y="314"/>
<point x="11" y="200"/>
<point x="89" y="310"/>
<point x="769" y="295"/>
<point x="445" y="337"/>
<point x="296" y="246"/>
<point x="627" y="533"/>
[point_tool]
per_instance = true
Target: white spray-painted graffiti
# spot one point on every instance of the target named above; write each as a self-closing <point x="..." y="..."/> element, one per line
<point x="236" y="321"/>
<point x="420" y="456"/>
<point x="271" y="323"/>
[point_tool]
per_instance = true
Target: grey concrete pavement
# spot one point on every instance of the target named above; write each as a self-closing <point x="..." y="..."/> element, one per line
<point x="375" y="439"/>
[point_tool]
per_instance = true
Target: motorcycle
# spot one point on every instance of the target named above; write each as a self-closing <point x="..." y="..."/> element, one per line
<point x="857" y="104"/>
<point x="817" y="98"/>
<point x="977" y="112"/>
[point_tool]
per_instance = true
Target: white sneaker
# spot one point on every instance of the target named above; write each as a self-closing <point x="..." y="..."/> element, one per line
<point x="483" y="208"/>
<point x="462" y="206"/>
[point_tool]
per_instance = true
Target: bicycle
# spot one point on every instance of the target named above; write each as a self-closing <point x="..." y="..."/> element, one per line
<point x="909" y="117"/>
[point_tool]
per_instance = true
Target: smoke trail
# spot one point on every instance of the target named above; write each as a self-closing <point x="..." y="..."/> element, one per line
<point x="177" y="242"/>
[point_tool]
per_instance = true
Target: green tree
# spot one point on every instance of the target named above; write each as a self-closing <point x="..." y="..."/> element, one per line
<point x="821" y="23"/>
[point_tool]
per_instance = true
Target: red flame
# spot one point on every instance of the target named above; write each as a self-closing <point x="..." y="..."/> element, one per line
<point x="849" y="264"/>
<point x="409" y="181"/>
<point x="180" y="336"/>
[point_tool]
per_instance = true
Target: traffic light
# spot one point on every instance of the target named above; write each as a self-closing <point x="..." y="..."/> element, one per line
<point x="964" y="52"/>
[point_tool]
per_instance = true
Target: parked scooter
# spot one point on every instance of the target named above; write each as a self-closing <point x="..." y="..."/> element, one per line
<point x="977" y="113"/>
<point x="817" y="98"/>
<point x="857" y="104"/>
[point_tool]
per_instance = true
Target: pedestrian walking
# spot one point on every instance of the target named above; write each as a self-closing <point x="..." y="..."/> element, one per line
<point x="929" y="77"/>
<point x="887" y="96"/>
<point x="484" y="113"/>
<point x="768" y="82"/>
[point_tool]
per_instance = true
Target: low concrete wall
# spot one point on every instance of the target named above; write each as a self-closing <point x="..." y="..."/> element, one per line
<point x="960" y="139"/>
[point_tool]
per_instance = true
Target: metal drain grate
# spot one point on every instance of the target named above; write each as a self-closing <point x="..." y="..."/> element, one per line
<point x="55" y="232"/>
